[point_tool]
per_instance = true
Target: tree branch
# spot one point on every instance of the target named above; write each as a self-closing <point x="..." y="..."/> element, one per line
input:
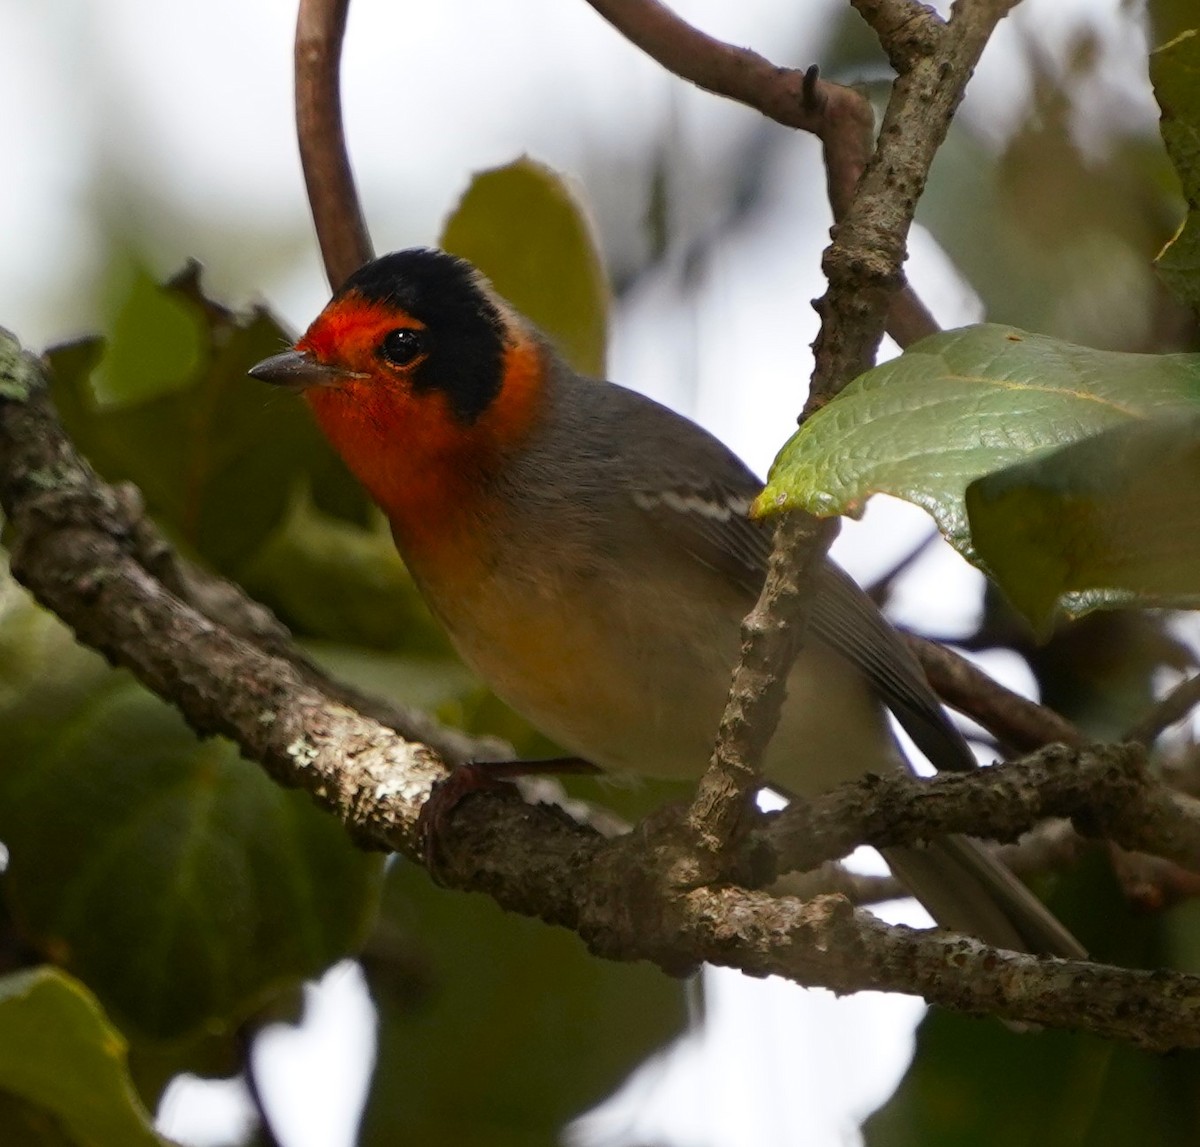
<point x="864" y="261"/>
<point x="1176" y="705"/>
<point x="1105" y="791"/>
<point x="863" y="265"/>
<point x="907" y="30"/>
<point x="1012" y="719"/>
<point x="73" y="543"/>
<point x="770" y="641"/>
<point x="839" y="116"/>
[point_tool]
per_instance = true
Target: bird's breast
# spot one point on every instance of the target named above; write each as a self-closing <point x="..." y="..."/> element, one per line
<point x="631" y="677"/>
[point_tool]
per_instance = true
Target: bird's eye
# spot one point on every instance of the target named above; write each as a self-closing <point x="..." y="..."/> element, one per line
<point x="400" y="347"/>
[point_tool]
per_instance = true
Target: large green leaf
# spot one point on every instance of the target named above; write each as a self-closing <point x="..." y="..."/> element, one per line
<point x="1118" y="512"/>
<point x="217" y="454"/>
<point x="496" y="1030"/>
<point x="522" y="225"/>
<point x="961" y="405"/>
<point x="975" y="1083"/>
<point x="971" y="1087"/>
<point x="336" y="580"/>
<point x="1175" y="73"/>
<point x="1167" y="18"/>
<point x="179" y="882"/>
<point x="63" y="1077"/>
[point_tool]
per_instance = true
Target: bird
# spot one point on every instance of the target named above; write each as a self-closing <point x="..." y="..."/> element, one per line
<point x="591" y="555"/>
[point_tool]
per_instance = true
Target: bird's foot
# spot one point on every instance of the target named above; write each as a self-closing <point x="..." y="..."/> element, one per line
<point x="482" y="776"/>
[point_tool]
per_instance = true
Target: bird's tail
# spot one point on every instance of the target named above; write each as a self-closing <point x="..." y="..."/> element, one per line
<point x="965" y="888"/>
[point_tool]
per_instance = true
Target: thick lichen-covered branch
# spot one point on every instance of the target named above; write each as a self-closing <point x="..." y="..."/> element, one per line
<point x="75" y="544"/>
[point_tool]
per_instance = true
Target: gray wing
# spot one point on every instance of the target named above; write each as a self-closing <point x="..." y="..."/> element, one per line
<point x="702" y="500"/>
<point x="846" y="619"/>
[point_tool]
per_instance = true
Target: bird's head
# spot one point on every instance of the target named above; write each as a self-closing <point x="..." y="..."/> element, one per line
<point x="420" y="375"/>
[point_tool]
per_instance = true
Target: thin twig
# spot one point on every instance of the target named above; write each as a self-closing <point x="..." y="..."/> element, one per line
<point x="1176" y="705"/>
<point x="789" y="96"/>
<point x="880" y="588"/>
<point x="863" y="264"/>
<point x="1106" y="791"/>
<point x="908" y="30"/>
<point x="267" y="1136"/>
<point x="839" y="116"/>
<point x="336" y="209"/>
<point x="771" y="634"/>
<point x="1013" y="720"/>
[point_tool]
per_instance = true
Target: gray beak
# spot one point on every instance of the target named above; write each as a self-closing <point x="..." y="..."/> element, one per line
<point x="297" y="370"/>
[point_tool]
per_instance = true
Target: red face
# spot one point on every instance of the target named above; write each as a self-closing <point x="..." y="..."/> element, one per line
<point x="373" y="375"/>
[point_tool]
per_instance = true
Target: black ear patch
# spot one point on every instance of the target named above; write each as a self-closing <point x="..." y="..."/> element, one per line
<point x="465" y="333"/>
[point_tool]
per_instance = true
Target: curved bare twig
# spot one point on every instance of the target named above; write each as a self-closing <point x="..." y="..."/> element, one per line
<point x="839" y="116"/>
<point x="1176" y="705"/>
<point x="1013" y="720"/>
<point x="332" y="195"/>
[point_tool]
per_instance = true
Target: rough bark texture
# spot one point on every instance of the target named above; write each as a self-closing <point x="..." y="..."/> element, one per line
<point x="1105" y="791"/>
<point x="75" y="545"/>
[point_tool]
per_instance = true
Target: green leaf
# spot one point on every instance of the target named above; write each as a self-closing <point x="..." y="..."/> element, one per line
<point x="437" y="684"/>
<point x="971" y="1087"/>
<point x="1175" y="73"/>
<point x="156" y="340"/>
<point x="496" y="1030"/>
<point x="63" y="1077"/>
<point x="178" y="881"/>
<point x="1167" y="18"/>
<point x="339" y="581"/>
<point x="216" y="454"/>
<point x="1117" y="512"/>
<point x="963" y="404"/>
<point x="523" y="226"/>
<point x="975" y="1083"/>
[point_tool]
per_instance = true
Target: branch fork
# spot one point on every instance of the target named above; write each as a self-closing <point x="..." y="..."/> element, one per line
<point x="85" y="551"/>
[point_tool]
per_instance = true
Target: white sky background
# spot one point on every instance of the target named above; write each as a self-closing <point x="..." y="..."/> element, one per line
<point x="186" y="108"/>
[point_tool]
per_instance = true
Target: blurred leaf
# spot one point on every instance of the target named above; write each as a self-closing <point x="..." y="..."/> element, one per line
<point x="523" y="226"/>
<point x="1175" y="73"/>
<point x="178" y="881"/>
<point x="154" y="346"/>
<point x="1100" y="671"/>
<point x="973" y="1088"/>
<point x="430" y="683"/>
<point x="961" y="405"/>
<point x="63" y="1076"/>
<point x="496" y="1030"/>
<point x="153" y="1064"/>
<point x="341" y="581"/>
<point x="216" y="454"/>
<point x="1051" y="236"/>
<point x="1117" y="512"/>
<point x="1170" y="17"/>
<point x="975" y="1083"/>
